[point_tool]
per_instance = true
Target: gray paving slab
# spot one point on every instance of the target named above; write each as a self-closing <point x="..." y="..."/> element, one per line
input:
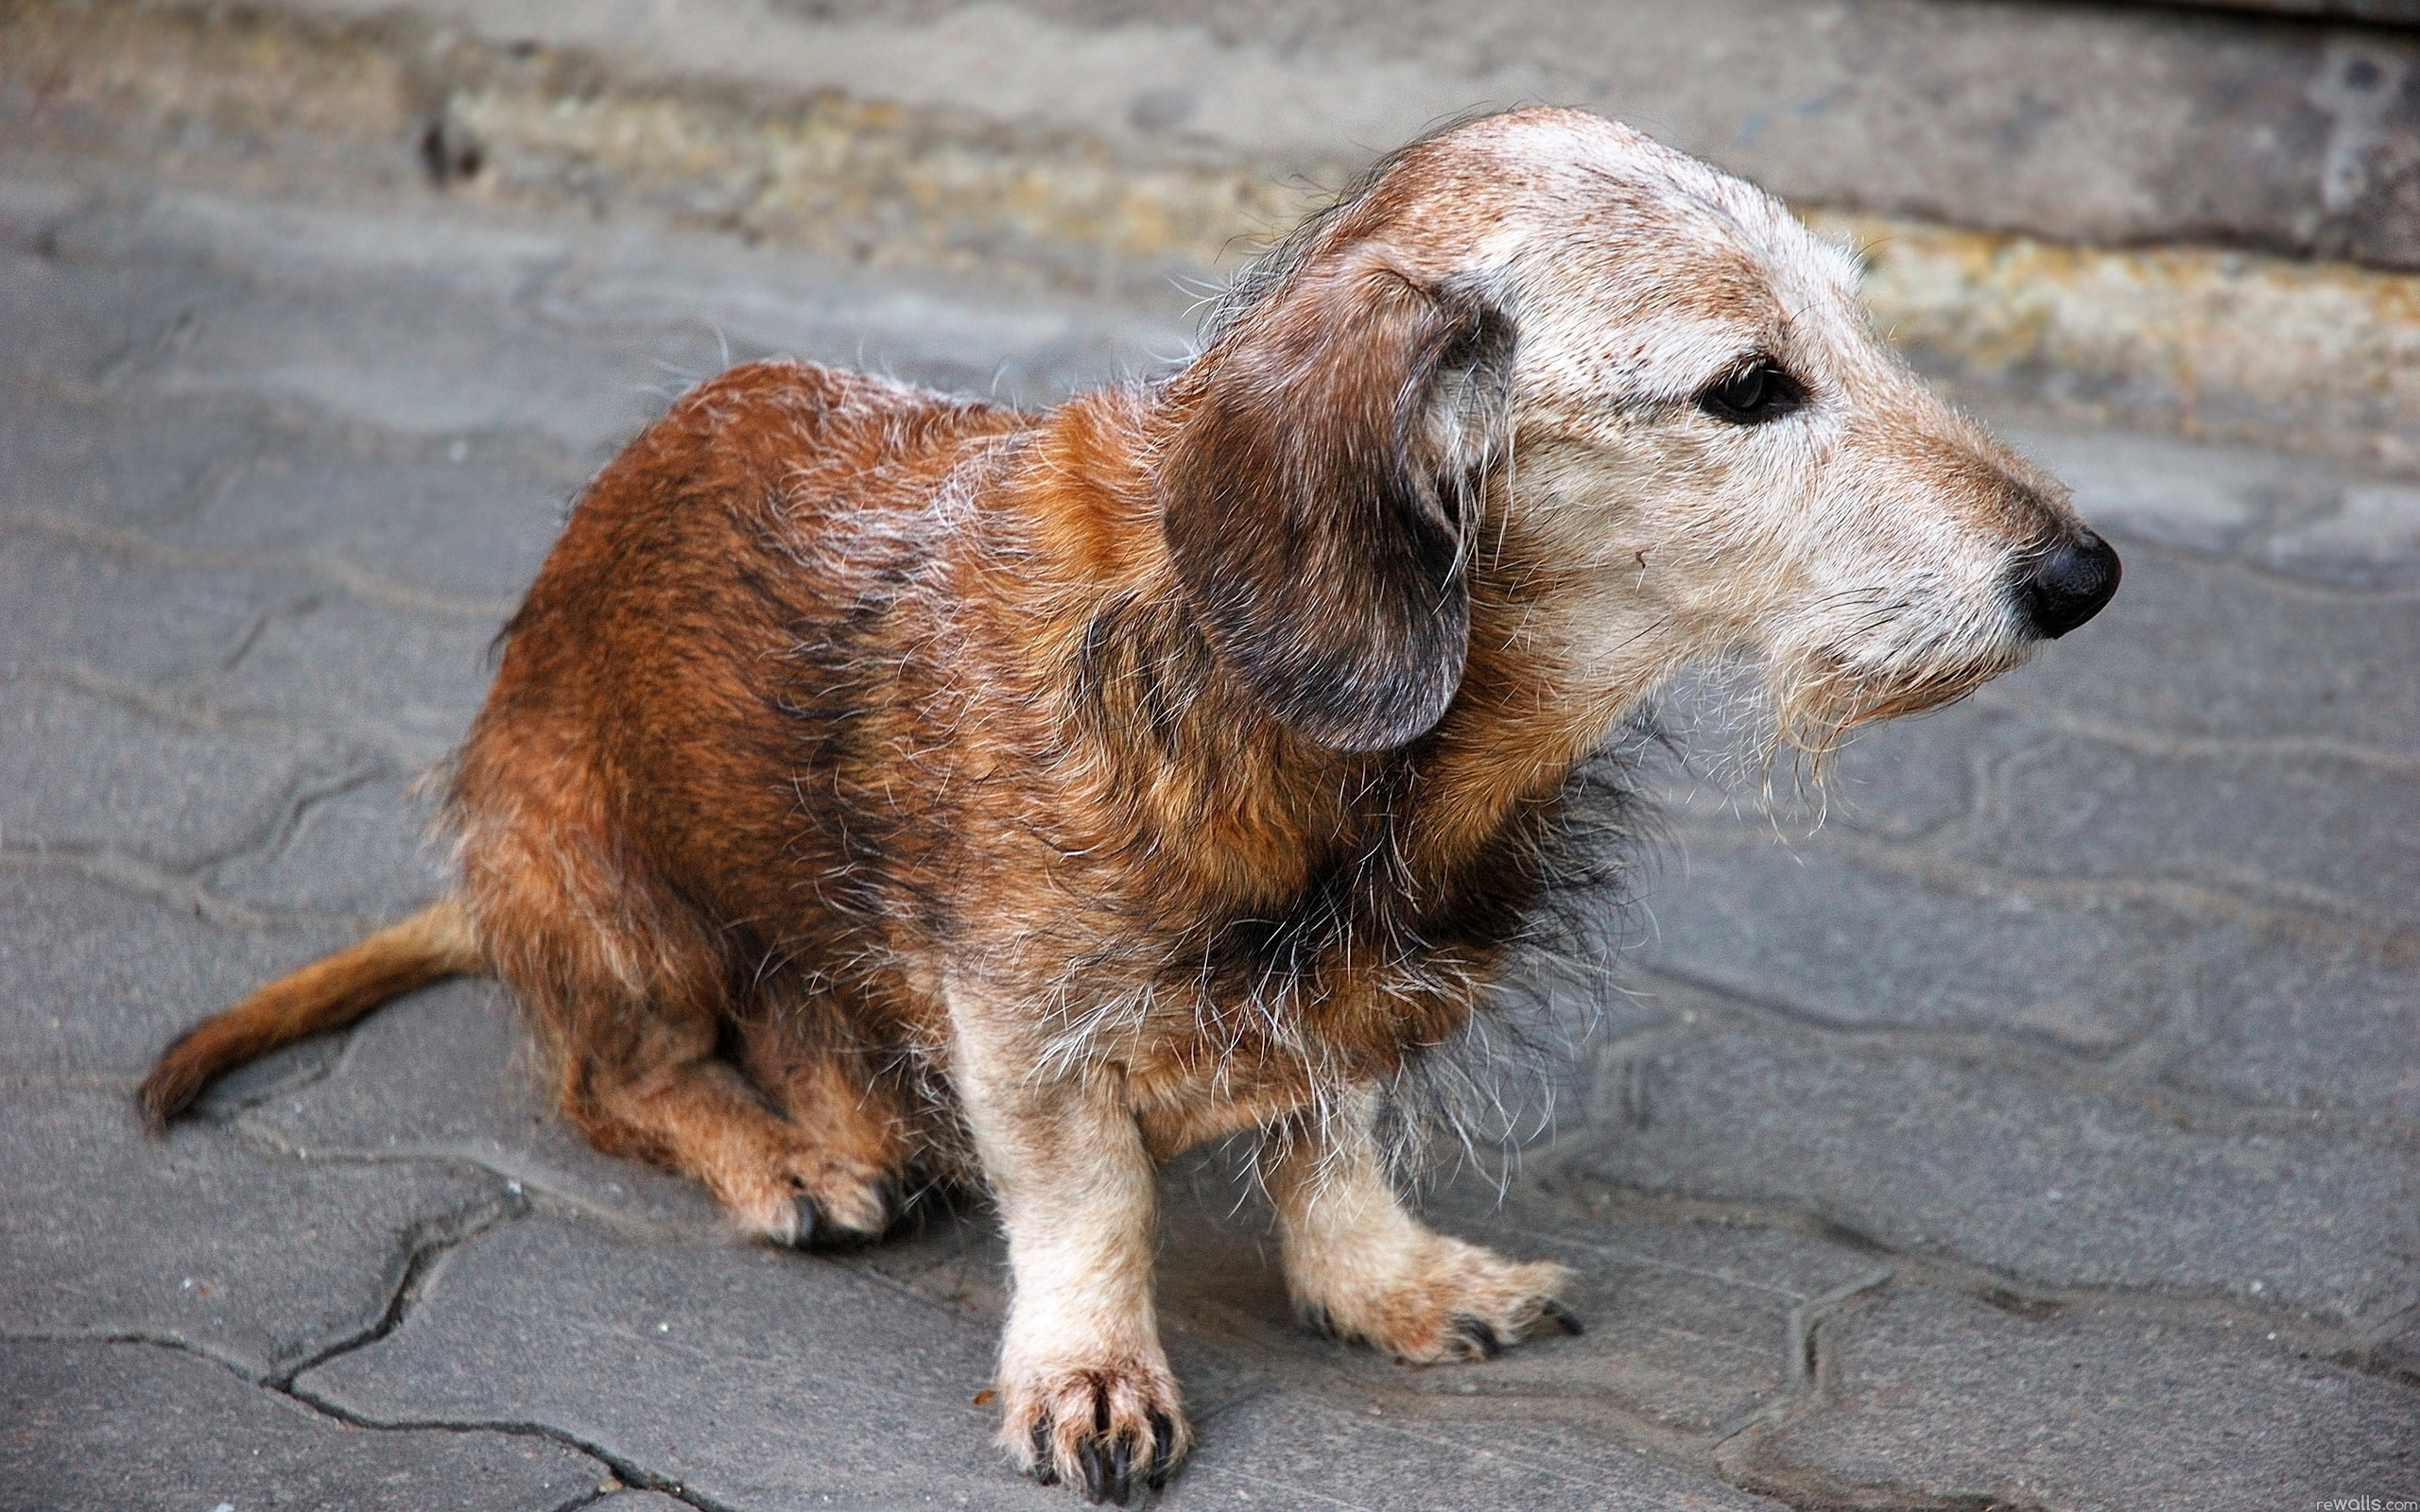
<point x="746" y="1375"/>
<point x="2330" y="834"/>
<point x="139" y="1428"/>
<point x="462" y="519"/>
<point x="2280" y="1017"/>
<point x="1848" y="940"/>
<point x="446" y="1075"/>
<point x="1927" y="1390"/>
<point x="363" y="850"/>
<point x="1293" y="1450"/>
<point x="84" y="455"/>
<point x="2201" y="498"/>
<point x="81" y="773"/>
<point x="2199" y="650"/>
<point x="391" y="358"/>
<point x="94" y="979"/>
<point x="91" y="323"/>
<point x="2369" y="539"/>
<point x="410" y="680"/>
<point x="1957" y="1156"/>
<point x="129" y="618"/>
<point x="257" y="1261"/>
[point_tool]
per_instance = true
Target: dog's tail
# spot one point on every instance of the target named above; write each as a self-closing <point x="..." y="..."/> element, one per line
<point x="331" y="992"/>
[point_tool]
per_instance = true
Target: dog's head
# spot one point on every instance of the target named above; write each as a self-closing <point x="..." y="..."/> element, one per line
<point x="1631" y="404"/>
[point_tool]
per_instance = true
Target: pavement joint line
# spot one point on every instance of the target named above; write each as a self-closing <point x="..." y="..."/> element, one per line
<point x="1802" y="1369"/>
<point x="2200" y="748"/>
<point x="143" y="880"/>
<point x="178" y="705"/>
<point x="2353" y="1345"/>
<point x="295" y="419"/>
<point x="359" y="581"/>
<point x="2043" y="1058"/>
<point x="2344" y="922"/>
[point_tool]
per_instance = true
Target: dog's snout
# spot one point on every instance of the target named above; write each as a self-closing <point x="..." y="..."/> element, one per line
<point x="2067" y="584"/>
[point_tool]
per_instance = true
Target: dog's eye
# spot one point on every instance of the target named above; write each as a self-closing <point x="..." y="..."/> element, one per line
<point x="1758" y="393"/>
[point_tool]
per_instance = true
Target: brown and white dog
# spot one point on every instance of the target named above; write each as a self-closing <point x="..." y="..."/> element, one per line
<point x="878" y="784"/>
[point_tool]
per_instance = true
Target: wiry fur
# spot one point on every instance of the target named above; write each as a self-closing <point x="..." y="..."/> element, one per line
<point x="879" y="786"/>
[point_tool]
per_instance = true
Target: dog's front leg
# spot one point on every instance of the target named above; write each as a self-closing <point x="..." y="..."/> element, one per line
<point x="1085" y="1390"/>
<point x="1358" y="1264"/>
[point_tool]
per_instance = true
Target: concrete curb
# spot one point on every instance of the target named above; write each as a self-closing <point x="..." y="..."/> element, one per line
<point x="2311" y="356"/>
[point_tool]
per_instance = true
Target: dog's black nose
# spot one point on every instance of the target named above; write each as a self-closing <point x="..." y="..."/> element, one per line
<point x="2068" y="584"/>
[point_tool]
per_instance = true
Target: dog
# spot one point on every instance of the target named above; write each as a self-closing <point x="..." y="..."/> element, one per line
<point x="879" y="786"/>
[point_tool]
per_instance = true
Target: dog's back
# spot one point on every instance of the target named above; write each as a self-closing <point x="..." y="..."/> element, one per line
<point x="679" y="814"/>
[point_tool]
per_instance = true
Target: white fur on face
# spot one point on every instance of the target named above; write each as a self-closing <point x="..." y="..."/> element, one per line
<point x="1863" y="544"/>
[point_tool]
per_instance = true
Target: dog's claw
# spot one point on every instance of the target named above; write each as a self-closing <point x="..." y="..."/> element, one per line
<point x="1162" y="1450"/>
<point x="1121" y="1465"/>
<point x="1095" y="1472"/>
<point x="1480" y="1336"/>
<point x="808" y="1216"/>
<point x="1045" y="1472"/>
<point x="1564" y="1319"/>
<point x="1321" y="1322"/>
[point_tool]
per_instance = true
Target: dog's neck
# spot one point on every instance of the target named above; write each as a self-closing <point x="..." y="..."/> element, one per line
<point x="1226" y="780"/>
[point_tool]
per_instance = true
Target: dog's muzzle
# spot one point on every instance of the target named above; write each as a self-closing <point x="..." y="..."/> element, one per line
<point x="2067" y="583"/>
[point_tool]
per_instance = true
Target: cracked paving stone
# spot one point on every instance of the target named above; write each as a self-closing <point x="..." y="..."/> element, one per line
<point x="1290" y="1450"/>
<point x="2304" y="827"/>
<point x="1847" y="943"/>
<point x="135" y="1427"/>
<point x="365" y="851"/>
<point x="2402" y="1346"/>
<point x="95" y="981"/>
<point x="748" y="1376"/>
<point x="446" y="1074"/>
<point x="82" y="774"/>
<point x="1949" y="1397"/>
<point x="2211" y="650"/>
<point x="261" y="1261"/>
<point x="1997" y="1167"/>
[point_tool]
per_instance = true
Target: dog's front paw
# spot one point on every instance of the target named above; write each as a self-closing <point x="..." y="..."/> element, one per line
<point x="1443" y="1301"/>
<point x="1102" y="1429"/>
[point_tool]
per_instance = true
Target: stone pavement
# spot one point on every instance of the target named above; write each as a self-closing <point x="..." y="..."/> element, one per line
<point x="2041" y="1131"/>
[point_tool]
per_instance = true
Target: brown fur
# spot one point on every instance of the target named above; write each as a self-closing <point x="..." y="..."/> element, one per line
<point x="879" y="786"/>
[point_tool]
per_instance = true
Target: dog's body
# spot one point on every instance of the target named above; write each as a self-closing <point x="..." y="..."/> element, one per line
<point x="876" y="784"/>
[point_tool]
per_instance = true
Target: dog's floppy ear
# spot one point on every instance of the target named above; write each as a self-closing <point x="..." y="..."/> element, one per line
<point x="1317" y="497"/>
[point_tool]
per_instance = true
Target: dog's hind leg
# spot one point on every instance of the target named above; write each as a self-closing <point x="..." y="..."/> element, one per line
<point x="1358" y="1264"/>
<point x="631" y="993"/>
<point x="824" y="1077"/>
<point x="647" y="1081"/>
